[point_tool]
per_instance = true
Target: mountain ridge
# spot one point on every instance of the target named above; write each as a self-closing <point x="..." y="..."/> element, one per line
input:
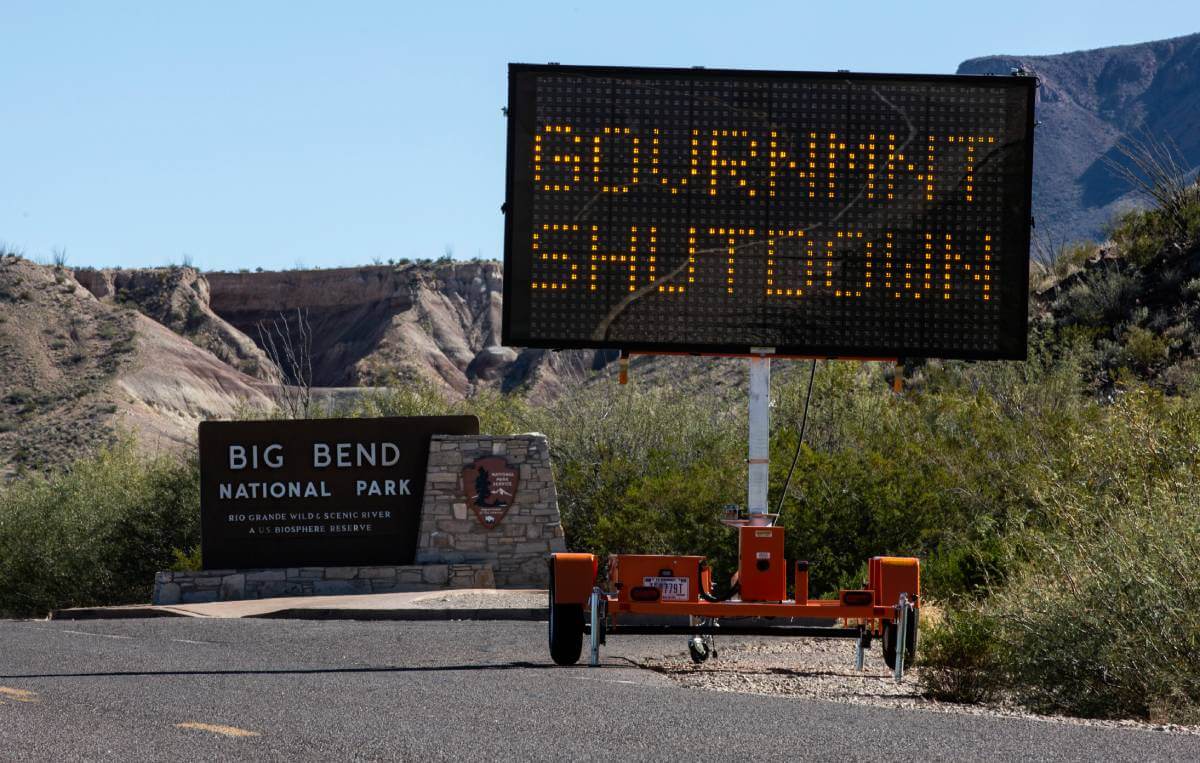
<point x="1087" y="103"/>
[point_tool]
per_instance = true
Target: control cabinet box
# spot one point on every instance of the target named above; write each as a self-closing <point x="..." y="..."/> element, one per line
<point x="762" y="572"/>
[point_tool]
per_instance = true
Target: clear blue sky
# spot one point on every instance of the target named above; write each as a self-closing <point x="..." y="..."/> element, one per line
<point x="244" y="134"/>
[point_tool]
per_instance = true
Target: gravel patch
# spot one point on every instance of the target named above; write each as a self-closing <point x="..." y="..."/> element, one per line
<point x="482" y="599"/>
<point x="824" y="669"/>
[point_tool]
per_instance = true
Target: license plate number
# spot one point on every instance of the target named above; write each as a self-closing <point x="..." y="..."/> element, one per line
<point x="673" y="589"/>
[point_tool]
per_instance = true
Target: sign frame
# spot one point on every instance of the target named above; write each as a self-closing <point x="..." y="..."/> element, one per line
<point x="340" y="482"/>
<point x="518" y="224"/>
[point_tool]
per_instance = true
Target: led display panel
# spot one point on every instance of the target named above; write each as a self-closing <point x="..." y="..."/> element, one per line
<point x="835" y="215"/>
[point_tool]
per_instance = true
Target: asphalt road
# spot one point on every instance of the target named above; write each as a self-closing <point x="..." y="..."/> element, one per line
<point x="287" y="690"/>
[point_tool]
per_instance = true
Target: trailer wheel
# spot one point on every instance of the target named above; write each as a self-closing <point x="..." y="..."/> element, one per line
<point x="566" y="630"/>
<point x="698" y="649"/>
<point x="910" y="641"/>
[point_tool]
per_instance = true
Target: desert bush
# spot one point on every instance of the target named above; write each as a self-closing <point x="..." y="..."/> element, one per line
<point x="644" y="468"/>
<point x="1103" y="618"/>
<point x="497" y="413"/>
<point x="1051" y="261"/>
<point x="931" y="473"/>
<point x="1183" y="378"/>
<point x="1099" y="614"/>
<point x="1145" y="350"/>
<point x="1102" y="297"/>
<point x="95" y="533"/>
<point x="1156" y="170"/>
<point x="959" y="658"/>
<point x="186" y="560"/>
<point x="1144" y="235"/>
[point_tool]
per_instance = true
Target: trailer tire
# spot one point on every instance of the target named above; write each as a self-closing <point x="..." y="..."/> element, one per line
<point x="888" y="641"/>
<point x="565" y="630"/>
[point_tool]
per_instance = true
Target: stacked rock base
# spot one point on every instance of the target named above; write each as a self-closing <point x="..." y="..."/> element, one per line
<point x="519" y="545"/>
<point x="197" y="587"/>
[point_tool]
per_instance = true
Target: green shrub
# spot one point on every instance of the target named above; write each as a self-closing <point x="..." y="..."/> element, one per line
<point x="186" y="561"/>
<point x="1102" y="297"/>
<point x="1104" y="620"/>
<point x="640" y="468"/>
<point x="96" y="533"/>
<point x="19" y="396"/>
<point x="959" y="659"/>
<point x="1099" y="614"/>
<point x="1143" y="235"/>
<point x="1145" y="350"/>
<point x="195" y="317"/>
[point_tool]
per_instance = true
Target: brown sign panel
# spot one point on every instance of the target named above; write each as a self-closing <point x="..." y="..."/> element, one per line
<point x="491" y="488"/>
<point x="317" y="492"/>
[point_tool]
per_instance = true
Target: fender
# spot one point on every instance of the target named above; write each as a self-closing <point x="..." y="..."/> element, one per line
<point x="574" y="577"/>
<point x="890" y="576"/>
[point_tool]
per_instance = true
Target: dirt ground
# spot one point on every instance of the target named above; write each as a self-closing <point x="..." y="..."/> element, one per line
<point x="824" y="669"/>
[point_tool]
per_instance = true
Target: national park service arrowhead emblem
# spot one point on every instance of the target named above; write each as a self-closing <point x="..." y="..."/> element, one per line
<point x="491" y="488"/>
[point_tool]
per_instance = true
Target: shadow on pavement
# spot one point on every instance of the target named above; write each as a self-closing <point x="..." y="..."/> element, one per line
<point x="313" y="671"/>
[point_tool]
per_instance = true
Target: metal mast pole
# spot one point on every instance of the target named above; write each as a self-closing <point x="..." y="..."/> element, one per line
<point x="759" y="460"/>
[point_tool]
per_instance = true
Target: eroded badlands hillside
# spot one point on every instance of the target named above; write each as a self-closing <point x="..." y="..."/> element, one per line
<point x="75" y="369"/>
<point x="371" y="326"/>
<point x="87" y="353"/>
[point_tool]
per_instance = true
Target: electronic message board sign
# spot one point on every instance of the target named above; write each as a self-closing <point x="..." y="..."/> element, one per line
<point x="818" y="214"/>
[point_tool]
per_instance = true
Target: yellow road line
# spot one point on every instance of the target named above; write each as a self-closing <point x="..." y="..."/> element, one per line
<point x="216" y="728"/>
<point x="20" y="695"/>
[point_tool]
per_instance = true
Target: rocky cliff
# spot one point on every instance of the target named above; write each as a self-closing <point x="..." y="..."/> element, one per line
<point x="76" y="369"/>
<point x="1087" y="102"/>
<point x="87" y="353"/>
<point x="370" y="326"/>
<point x="178" y="299"/>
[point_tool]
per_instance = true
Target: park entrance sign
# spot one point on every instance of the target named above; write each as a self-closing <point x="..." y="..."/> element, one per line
<point x="853" y="215"/>
<point x="316" y="492"/>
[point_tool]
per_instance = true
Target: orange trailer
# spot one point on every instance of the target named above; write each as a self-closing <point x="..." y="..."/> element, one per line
<point x="584" y="601"/>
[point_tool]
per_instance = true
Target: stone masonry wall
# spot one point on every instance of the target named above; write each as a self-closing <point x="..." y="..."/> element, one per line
<point x="195" y="587"/>
<point x="518" y="546"/>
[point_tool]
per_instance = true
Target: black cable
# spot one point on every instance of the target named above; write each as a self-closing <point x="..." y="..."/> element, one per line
<point x="733" y="591"/>
<point x="803" y="425"/>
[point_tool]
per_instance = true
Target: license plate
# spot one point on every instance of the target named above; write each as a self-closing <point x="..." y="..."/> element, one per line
<point x="673" y="589"/>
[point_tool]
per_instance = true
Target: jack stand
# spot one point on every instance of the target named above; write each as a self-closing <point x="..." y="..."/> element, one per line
<point x="703" y="646"/>
<point x="902" y="636"/>
<point x="859" y="648"/>
<point x="597" y="624"/>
